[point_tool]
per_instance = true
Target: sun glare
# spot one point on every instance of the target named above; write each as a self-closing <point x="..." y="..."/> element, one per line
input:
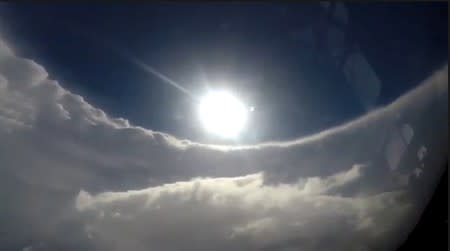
<point x="222" y="114"/>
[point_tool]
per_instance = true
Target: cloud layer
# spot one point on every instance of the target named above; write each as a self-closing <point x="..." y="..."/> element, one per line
<point x="75" y="178"/>
<point x="242" y="214"/>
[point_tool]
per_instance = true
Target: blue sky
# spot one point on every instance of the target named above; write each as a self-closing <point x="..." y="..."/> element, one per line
<point x="265" y="52"/>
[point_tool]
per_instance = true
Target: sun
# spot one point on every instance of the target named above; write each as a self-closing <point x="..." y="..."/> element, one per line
<point x="222" y="114"/>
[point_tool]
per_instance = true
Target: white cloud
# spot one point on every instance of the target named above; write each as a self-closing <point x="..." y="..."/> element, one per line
<point x="210" y="213"/>
<point x="143" y="189"/>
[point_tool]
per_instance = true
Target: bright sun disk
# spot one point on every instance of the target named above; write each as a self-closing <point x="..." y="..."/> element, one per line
<point x="222" y="114"/>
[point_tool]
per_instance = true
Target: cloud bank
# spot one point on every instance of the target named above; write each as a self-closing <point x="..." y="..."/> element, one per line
<point x="75" y="178"/>
<point x="242" y="214"/>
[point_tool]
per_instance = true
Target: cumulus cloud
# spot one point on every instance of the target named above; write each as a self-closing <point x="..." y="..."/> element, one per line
<point x="69" y="169"/>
